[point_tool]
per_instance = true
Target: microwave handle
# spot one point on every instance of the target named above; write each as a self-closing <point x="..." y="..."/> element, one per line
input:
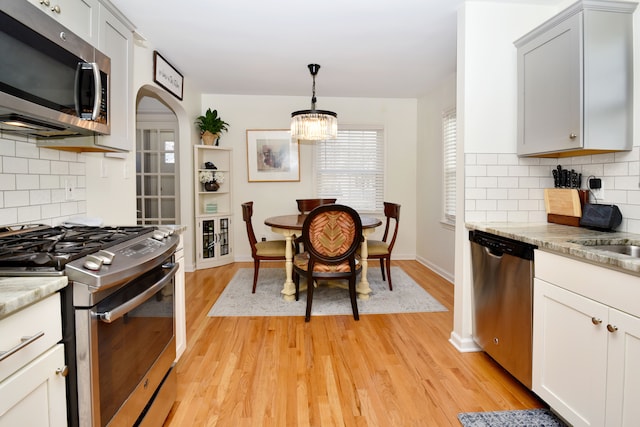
<point x="121" y="310"/>
<point x="97" y="84"/>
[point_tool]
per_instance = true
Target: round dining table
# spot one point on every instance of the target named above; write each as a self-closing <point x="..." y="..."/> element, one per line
<point x="291" y="225"/>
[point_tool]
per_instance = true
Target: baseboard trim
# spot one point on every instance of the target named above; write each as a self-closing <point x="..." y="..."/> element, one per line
<point x="436" y="269"/>
<point x="463" y="345"/>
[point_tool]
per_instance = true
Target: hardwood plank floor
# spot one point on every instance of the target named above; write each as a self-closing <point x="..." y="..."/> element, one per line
<point x="384" y="370"/>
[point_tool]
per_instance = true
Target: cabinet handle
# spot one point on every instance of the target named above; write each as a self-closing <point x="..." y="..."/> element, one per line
<point x="612" y="328"/>
<point x="25" y="341"/>
<point x="572" y="136"/>
<point x="64" y="371"/>
<point x="45" y="2"/>
<point x="55" y="9"/>
<point x="596" y="321"/>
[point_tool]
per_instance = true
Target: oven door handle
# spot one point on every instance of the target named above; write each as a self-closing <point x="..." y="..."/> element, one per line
<point x="121" y="310"/>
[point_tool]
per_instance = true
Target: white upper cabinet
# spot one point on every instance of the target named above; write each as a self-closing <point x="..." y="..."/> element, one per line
<point x="575" y="82"/>
<point x="80" y="16"/>
<point x="116" y="41"/>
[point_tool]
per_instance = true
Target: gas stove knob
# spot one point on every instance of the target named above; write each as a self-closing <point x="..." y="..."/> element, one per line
<point x="92" y="262"/>
<point x="158" y="235"/>
<point x="106" y="256"/>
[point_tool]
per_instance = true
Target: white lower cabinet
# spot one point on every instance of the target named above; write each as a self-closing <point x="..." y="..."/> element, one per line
<point x="32" y="366"/>
<point x="35" y="395"/>
<point x="586" y="351"/>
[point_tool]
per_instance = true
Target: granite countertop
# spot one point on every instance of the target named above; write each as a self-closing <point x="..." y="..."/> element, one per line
<point x="576" y="242"/>
<point x="19" y="292"/>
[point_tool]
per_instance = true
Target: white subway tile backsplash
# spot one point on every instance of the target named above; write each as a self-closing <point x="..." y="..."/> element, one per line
<point x="27" y="182"/>
<point x="512" y="188"/>
<point x="9" y="216"/>
<point x="15" y="165"/>
<point x="507" y="159"/>
<point x="27" y="150"/>
<point x="7" y="182"/>
<point x="29" y="214"/>
<point x="32" y="181"/>
<point x="13" y="199"/>
<point x="487" y="182"/>
<point x="487" y="159"/>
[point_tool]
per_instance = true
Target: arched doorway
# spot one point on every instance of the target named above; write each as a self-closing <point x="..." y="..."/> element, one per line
<point x="157" y="161"/>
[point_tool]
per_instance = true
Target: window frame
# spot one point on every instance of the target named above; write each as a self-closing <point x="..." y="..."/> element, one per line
<point x="449" y="123"/>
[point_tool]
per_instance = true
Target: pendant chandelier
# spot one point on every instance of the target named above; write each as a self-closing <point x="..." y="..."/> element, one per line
<point x="314" y="125"/>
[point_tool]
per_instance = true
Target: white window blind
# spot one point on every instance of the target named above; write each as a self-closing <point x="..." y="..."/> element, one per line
<point x="449" y="167"/>
<point x="351" y="168"/>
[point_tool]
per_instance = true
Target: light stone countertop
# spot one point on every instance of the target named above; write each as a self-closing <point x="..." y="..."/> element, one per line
<point x="569" y="241"/>
<point x="19" y="292"/>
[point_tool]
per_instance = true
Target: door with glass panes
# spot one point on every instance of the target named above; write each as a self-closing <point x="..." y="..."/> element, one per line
<point x="213" y="242"/>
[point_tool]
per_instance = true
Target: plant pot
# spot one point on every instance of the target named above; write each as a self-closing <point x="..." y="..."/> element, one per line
<point x="211" y="186"/>
<point x="209" y="138"/>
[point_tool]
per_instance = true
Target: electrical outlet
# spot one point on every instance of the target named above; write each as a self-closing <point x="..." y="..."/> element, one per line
<point x="597" y="195"/>
<point x="69" y="190"/>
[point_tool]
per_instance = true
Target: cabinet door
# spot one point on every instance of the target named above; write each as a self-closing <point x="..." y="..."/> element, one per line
<point x="570" y="353"/>
<point x="549" y="89"/>
<point x="36" y="394"/>
<point x="80" y="16"/>
<point x="116" y="41"/>
<point x="623" y="372"/>
<point x="214" y="242"/>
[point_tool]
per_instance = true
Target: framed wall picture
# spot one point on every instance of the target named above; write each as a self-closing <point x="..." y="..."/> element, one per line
<point x="272" y="155"/>
<point x="167" y="76"/>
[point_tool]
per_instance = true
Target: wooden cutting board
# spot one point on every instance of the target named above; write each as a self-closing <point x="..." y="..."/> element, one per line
<point x="562" y="201"/>
<point x="563" y="206"/>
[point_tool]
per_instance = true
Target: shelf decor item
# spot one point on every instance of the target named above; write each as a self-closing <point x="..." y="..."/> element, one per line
<point x="211" y="180"/>
<point x="211" y="127"/>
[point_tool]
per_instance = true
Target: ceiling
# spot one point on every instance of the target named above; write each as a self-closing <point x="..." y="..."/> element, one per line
<point x="366" y="48"/>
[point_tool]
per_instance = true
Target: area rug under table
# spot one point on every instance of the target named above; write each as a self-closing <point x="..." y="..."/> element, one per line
<point x="521" y="418"/>
<point x="237" y="300"/>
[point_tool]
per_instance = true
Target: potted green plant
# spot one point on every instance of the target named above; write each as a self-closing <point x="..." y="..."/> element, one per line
<point x="211" y="126"/>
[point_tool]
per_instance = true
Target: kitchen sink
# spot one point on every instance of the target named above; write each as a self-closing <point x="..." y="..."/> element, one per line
<point x="631" y="250"/>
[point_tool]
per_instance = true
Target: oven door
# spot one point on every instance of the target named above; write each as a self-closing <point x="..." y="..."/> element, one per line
<point x="125" y="348"/>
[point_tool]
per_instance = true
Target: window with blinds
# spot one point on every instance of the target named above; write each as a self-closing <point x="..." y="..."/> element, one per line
<point x="449" y="167"/>
<point x="351" y="168"/>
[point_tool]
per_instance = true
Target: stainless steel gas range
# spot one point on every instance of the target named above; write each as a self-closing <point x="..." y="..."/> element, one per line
<point x="118" y="315"/>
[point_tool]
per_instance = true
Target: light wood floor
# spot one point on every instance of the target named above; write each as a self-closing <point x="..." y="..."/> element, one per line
<point x="384" y="370"/>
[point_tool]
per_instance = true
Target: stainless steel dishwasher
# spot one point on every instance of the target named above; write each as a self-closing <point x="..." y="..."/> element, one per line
<point x="503" y="301"/>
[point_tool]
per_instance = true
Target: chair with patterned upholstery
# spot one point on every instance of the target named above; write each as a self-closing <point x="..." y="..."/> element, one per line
<point x="331" y="235"/>
<point x="381" y="249"/>
<point x="307" y="205"/>
<point x="269" y="250"/>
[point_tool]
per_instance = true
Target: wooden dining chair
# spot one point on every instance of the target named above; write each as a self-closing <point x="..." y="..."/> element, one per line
<point x="381" y="249"/>
<point x="266" y="250"/>
<point x="307" y="205"/>
<point x="331" y="236"/>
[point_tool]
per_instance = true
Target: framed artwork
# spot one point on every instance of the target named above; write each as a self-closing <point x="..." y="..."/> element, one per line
<point x="167" y="76"/>
<point x="272" y="155"/>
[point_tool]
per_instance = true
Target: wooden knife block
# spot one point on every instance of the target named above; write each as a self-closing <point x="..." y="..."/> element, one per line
<point x="564" y="205"/>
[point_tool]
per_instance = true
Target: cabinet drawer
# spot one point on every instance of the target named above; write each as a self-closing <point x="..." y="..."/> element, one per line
<point x="41" y="323"/>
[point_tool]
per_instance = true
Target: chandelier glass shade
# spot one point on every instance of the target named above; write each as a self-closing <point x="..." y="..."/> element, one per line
<point x="314" y="125"/>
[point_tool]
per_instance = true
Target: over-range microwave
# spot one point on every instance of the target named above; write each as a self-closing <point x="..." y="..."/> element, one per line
<point x="53" y="84"/>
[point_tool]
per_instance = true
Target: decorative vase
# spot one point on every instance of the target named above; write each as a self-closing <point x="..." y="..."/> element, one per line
<point x="211" y="186"/>
<point x="209" y="138"/>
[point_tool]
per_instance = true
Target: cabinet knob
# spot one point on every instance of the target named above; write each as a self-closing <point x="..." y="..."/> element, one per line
<point x="596" y="321"/>
<point x="64" y="371"/>
<point x="55" y="9"/>
<point x="572" y="136"/>
<point x="45" y="2"/>
<point x="612" y="328"/>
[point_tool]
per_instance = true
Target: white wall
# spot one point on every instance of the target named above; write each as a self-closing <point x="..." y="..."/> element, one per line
<point x="399" y="117"/>
<point x="435" y="246"/>
<point x="486" y="107"/>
